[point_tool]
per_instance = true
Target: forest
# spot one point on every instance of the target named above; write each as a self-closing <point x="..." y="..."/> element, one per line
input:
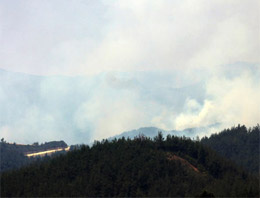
<point x="160" y="167"/>
<point x="238" y="144"/>
<point x="13" y="155"/>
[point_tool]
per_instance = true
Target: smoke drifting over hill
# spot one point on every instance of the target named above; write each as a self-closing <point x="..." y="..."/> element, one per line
<point x="81" y="109"/>
<point x="168" y="64"/>
<point x="228" y="101"/>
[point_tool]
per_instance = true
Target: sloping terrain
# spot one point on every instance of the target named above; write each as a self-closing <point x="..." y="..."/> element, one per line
<point x="183" y="161"/>
<point x="129" y="168"/>
<point x="153" y="131"/>
<point x="16" y="155"/>
<point x="239" y="144"/>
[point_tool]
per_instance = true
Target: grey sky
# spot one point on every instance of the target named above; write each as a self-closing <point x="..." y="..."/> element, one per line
<point x="86" y="37"/>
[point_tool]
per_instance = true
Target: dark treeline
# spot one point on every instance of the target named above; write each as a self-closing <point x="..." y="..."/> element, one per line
<point x="158" y="167"/>
<point x="12" y="156"/>
<point x="238" y="144"/>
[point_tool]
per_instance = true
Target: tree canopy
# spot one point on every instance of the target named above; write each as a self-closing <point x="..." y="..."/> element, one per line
<point x="159" y="167"/>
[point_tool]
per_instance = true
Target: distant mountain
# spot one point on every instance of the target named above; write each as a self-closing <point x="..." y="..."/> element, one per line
<point x="153" y="131"/>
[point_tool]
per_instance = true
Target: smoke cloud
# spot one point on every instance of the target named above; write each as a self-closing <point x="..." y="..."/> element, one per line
<point x="82" y="109"/>
<point x="85" y="70"/>
<point x="89" y="37"/>
<point x="228" y="101"/>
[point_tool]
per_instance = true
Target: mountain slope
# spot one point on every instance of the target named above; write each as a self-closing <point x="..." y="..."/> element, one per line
<point x="238" y="144"/>
<point x="139" y="167"/>
<point x="14" y="155"/>
<point x="153" y="131"/>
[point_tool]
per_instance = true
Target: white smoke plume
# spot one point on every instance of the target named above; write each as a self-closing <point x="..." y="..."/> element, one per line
<point x="103" y="67"/>
<point x="229" y="101"/>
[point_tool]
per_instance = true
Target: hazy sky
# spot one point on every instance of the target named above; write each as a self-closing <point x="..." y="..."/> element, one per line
<point x="86" y="37"/>
<point x="172" y="64"/>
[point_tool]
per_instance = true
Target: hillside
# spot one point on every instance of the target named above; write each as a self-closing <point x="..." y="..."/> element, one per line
<point x="140" y="167"/>
<point x="153" y="131"/>
<point x="14" y="155"/>
<point x="238" y="144"/>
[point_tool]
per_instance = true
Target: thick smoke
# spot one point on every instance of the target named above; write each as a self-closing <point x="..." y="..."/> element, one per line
<point x="169" y="64"/>
<point x="89" y="37"/>
<point x="230" y="99"/>
<point x="81" y="109"/>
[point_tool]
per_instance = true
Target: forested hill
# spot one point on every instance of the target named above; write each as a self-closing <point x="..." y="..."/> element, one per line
<point x="13" y="155"/>
<point x="238" y="144"/>
<point x="141" y="167"/>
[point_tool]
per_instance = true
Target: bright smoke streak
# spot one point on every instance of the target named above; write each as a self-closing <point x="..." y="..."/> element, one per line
<point x="47" y="152"/>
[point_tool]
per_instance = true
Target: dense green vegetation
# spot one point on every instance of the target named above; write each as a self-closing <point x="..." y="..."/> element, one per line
<point x="238" y="144"/>
<point x="140" y="167"/>
<point x="12" y="155"/>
